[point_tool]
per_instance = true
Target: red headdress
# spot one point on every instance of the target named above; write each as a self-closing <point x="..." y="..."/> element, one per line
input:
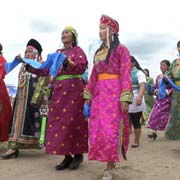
<point x="110" y="22"/>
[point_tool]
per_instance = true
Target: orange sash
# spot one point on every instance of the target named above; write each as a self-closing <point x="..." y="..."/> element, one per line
<point x="105" y="76"/>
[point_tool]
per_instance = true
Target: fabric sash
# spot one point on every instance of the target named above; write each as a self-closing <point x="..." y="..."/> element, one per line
<point x="68" y="76"/>
<point x="104" y="76"/>
<point x="162" y="87"/>
<point x="53" y="62"/>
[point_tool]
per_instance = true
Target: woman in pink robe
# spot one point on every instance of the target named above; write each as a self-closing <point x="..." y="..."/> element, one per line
<point x="109" y="92"/>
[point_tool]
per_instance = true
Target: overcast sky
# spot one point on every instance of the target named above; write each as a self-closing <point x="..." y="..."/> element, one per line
<point x="149" y="28"/>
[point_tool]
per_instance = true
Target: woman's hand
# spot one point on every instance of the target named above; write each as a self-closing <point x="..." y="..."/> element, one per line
<point x="52" y="79"/>
<point x="18" y="57"/>
<point x="88" y="101"/>
<point x="124" y="106"/>
<point x="156" y="92"/>
<point x="139" y="101"/>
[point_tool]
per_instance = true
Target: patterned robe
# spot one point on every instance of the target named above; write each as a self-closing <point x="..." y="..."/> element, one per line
<point x="108" y="126"/>
<point x="67" y="129"/>
<point x="173" y="128"/>
<point x="25" y="124"/>
<point x="5" y="105"/>
<point x="161" y="110"/>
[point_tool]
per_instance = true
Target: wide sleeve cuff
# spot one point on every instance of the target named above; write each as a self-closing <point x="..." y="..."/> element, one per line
<point x="71" y="63"/>
<point x="87" y="94"/>
<point x="126" y="96"/>
<point x="68" y="63"/>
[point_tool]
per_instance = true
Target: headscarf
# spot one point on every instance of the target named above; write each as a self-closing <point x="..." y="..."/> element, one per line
<point x="71" y="29"/>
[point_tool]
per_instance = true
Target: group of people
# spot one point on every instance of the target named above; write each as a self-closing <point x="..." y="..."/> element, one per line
<point x="164" y="114"/>
<point x="68" y="132"/>
<point x="114" y="94"/>
<point x="155" y="104"/>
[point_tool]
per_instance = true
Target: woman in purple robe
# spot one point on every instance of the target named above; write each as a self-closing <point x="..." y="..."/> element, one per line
<point x="161" y="110"/>
<point x="67" y="128"/>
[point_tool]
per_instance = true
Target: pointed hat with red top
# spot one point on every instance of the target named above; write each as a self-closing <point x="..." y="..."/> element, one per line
<point x="112" y="23"/>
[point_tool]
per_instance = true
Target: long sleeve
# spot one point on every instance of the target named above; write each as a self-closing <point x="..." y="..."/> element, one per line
<point x="53" y="63"/>
<point x="2" y="68"/>
<point x="89" y="89"/>
<point x="125" y="75"/>
<point x="9" y="66"/>
<point x="77" y="62"/>
<point x="39" y="72"/>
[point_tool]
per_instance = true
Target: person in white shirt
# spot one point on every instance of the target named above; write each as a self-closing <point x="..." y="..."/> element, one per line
<point x="138" y="105"/>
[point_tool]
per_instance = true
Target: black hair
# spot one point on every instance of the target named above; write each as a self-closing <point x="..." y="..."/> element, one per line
<point x="1" y="48"/>
<point x="114" y="44"/>
<point x="178" y="43"/>
<point x="74" y="43"/>
<point x="133" y="60"/>
<point x="147" y="70"/>
<point x="167" y="62"/>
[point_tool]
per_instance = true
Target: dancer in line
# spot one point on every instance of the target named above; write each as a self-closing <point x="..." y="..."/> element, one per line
<point x="161" y="111"/>
<point x="109" y="92"/>
<point x="25" y="123"/>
